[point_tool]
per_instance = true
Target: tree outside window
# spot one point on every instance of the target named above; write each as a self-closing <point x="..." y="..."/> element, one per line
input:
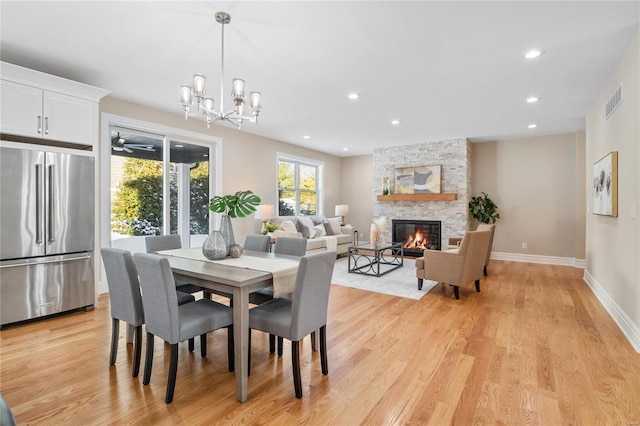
<point x="137" y="209"/>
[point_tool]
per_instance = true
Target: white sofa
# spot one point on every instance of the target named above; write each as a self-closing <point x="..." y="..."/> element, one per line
<point x="339" y="241"/>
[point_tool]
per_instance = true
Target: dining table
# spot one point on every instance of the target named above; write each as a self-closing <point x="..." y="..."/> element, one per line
<point x="238" y="278"/>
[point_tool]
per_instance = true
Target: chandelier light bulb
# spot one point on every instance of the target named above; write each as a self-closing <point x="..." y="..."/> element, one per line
<point x="238" y="88"/>
<point x="256" y="101"/>
<point x="199" y="85"/>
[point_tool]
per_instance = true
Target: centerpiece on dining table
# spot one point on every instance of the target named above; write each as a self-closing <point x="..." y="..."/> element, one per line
<point x="220" y="244"/>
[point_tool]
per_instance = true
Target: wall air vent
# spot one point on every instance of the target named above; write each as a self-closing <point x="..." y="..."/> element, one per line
<point x="614" y="102"/>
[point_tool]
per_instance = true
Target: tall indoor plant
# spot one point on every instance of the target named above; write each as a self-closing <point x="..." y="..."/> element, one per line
<point x="483" y="209"/>
<point x="240" y="204"/>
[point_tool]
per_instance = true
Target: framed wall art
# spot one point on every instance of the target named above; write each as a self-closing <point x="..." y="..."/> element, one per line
<point x="605" y="185"/>
<point x="418" y="180"/>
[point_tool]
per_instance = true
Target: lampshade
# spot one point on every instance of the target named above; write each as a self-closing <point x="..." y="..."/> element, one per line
<point x="265" y="211"/>
<point x="342" y="210"/>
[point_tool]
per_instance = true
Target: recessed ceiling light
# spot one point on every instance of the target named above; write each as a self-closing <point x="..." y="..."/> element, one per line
<point x="205" y="155"/>
<point x="532" y="126"/>
<point x="345" y="149"/>
<point x="395" y="122"/>
<point x="179" y="146"/>
<point x="534" y="53"/>
<point x="532" y="99"/>
<point x="306" y="137"/>
<point x="354" y="96"/>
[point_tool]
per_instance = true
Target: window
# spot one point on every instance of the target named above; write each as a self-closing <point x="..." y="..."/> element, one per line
<point x="299" y="189"/>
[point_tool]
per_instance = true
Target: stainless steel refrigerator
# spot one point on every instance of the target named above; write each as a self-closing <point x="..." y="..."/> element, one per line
<point x="47" y="233"/>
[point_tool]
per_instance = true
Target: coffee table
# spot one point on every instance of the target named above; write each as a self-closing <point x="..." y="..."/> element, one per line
<point x="366" y="259"/>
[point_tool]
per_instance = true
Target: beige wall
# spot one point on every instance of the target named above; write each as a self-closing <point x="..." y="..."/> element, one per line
<point x="613" y="243"/>
<point x="357" y="189"/>
<point x="534" y="183"/>
<point x="249" y="161"/>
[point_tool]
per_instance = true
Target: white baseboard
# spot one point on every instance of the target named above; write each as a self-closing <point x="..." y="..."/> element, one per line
<point x="534" y="258"/>
<point x="628" y="327"/>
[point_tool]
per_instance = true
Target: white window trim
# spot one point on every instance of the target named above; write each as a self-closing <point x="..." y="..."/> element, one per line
<point x="320" y="181"/>
<point x="106" y="121"/>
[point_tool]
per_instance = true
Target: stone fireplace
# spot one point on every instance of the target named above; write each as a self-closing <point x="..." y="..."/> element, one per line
<point x="455" y="158"/>
<point x="417" y="235"/>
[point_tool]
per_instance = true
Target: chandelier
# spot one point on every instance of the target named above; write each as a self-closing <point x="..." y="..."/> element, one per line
<point x="196" y="94"/>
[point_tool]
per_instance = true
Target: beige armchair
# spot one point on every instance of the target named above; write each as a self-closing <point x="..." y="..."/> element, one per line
<point x="456" y="267"/>
<point x="455" y="242"/>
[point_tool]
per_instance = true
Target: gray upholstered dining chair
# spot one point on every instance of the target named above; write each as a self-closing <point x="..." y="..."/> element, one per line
<point x="305" y="312"/>
<point x="156" y="243"/>
<point x="291" y="246"/>
<point x="126" y="302"/>
<point x="257" y="242"/>
<point x="175" y="323"/>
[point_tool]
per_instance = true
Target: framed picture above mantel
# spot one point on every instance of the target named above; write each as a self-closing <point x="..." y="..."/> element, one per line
<point x="418" y="180"/>
<point x="605" y="185"/>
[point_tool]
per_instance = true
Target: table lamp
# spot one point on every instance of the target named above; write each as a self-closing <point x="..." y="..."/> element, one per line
<point x="342" y="210"/>
<point x="265" y="212"/>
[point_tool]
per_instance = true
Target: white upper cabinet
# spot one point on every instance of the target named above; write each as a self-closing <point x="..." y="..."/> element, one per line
<point x="69" y="119"/>
<point x="43" y="106"/>
<point x="21" y="109"/>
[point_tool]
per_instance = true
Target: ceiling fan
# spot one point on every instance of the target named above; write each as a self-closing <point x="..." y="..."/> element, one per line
<point x="119" y="144"/>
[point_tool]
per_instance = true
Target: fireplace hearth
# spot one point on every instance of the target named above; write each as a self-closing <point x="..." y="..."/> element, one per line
<point x="417" y="235"/>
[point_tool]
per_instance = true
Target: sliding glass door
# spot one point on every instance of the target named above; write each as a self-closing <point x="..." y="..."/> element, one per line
<point x="159" y="186"/>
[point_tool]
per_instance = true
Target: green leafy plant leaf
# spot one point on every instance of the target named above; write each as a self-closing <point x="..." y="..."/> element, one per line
<point x="240" y="204"/>
<point x="483" y="209"/>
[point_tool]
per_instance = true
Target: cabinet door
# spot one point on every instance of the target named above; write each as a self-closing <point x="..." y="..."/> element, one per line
<point x="21" y="109"/>
<point x="69" y="119"/>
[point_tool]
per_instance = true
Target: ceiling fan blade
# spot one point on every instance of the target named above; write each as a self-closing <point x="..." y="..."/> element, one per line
<point x="141" y="147"/>
<point x="127" y="150"/>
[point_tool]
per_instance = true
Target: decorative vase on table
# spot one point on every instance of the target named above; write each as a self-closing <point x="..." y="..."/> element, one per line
<point x="227" y="231"/>
<point x="215" y="247"/>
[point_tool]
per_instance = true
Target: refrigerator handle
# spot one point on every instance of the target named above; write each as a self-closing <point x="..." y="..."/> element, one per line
<point x="38" y="203"/>
<point x="52" y="222"/>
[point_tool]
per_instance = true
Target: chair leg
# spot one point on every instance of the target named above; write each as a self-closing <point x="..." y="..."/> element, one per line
<point x="280" y="345"/>
<point x="420" y="280"/>
<point x="173" y="370"/>
<point x="295" y="361"/>
<point x="137" y="351"/>
<point x="191" y="344"/>
<point x="314" y="340"/>
<point x="456" y="292"/>
<point x="323" y="350"/>
<point x="115" y="335"/>
<point x="478" y="286"/>
<point x="203" y="345"/>
<point x="148" y="362"/>
<point x="272" y="343"/>
<point x="485" y="271"/>
<point x="230" y="349"/>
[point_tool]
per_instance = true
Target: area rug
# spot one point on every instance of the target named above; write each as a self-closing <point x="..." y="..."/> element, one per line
<point x="401" y="282"/>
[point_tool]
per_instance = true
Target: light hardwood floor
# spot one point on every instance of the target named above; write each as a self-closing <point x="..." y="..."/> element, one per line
<point x="535" y="347"/>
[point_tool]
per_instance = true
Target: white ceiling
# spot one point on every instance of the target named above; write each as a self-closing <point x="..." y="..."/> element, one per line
<point x="445" y="69"/>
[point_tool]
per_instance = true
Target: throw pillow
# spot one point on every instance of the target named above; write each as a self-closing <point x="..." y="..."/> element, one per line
<point x="288" y="226"/>
<point x="320" y="232"/>
<point x="304" y="230"/>
<point x="335" y="225"/>
<point x="327" y="228"/>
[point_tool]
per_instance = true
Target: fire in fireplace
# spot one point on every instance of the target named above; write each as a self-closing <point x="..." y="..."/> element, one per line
<point x="417" y="235"/>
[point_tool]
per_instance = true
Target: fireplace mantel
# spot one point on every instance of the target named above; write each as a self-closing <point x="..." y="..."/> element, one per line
<point x="418" y="197"/>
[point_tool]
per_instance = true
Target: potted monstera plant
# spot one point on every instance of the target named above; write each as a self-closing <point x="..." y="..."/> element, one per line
<point x="483" y="209"/>
<point x="240" y="204"/>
